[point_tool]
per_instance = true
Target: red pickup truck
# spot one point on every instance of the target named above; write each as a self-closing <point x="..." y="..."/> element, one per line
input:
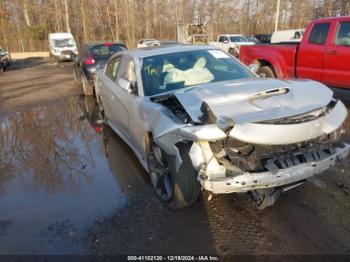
<point x="322" y="55"/>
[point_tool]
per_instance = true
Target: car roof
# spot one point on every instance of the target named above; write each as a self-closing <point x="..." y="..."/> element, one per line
<point x="90" y="44"/>
<point x="232" y="35"/>
<point x="330" y="19"/>
<point x="60" y="35"/>
<point x="289" y="30"/>
<point x="160" y="50"/>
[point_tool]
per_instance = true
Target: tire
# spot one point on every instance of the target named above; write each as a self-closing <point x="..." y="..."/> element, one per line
<point x="233" y="52"/>
<point x="87" y="88"/>
<point x="184" y="188"/>
<point x="102" y="110"/>
<point x="266" y="72"/>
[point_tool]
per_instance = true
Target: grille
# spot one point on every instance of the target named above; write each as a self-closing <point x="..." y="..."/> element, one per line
<point x="66" y="52"/>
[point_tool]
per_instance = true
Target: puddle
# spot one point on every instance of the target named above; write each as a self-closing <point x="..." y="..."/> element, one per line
<point x="59" y="172"/>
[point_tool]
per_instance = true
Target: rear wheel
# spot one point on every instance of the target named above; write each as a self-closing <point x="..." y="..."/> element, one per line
<point x="177" y="189"/>
<point x="101" y="110"/>
<point x="87" y="88"/>
<point x="266" y="72"/>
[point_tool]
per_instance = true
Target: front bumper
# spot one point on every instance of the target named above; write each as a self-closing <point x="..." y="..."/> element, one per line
<point x="252" y="181"/>
<point x="64" y="55"/>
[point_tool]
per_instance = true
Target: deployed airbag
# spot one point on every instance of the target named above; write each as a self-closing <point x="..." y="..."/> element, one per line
<point x="198" y="74"/>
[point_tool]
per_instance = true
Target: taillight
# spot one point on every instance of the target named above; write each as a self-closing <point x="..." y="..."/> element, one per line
<point x="89" y="61"/>
<point x="108" y="44"/>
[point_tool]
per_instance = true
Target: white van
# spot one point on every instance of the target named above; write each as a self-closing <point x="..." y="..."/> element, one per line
<point x="294" y="35"/>
<point x="62" y="45"/>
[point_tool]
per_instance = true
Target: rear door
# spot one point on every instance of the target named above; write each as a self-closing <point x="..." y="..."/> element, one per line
<point x="337" y="60"/>
<point x="124" y="101"/>
<point x="107" y="86"/>
<point x="311" y="52"/>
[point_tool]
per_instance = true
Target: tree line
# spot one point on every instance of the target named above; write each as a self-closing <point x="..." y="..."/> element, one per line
<point x="25" y="24"/>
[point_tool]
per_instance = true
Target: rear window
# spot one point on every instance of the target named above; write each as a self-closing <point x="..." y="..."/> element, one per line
<point x="238" y="39"/>
<point x="319" y="33"/>
<point x="105" y="50"/>
<point x="343" y="34"/>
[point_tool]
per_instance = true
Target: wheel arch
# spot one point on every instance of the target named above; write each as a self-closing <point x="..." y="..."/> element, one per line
<point x="263" y="62"/>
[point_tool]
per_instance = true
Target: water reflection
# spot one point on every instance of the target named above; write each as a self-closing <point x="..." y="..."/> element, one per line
<point x="60" y="170"/>
<point x="124" y="165"/>
<point x="127" y="170"/>
<point x="48" y="144"/>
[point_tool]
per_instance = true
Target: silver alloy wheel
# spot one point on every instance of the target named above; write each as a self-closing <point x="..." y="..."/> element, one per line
<point x="161" y="173"/>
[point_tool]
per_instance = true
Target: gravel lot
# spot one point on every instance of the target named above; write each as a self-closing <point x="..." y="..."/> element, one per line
<point x="69" y="187"/>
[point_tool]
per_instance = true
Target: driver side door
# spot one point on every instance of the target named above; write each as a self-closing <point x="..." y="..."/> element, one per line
<point x="124" y="98"/>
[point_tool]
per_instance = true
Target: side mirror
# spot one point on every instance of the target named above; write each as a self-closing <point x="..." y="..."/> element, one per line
<point x="126" y="85"/>
<point x="253" y="67"/>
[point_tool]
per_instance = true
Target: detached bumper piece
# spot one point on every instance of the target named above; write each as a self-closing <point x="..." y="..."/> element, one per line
<point x="283" y="170"/>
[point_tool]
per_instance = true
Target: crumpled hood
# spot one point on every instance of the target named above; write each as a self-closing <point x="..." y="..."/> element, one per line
<point x="255" y="100"/>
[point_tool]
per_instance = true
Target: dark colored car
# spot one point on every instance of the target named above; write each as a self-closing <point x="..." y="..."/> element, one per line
<point x="93" y="56"/>
<point x="264" y="38"/>
<point x="253" y="39"/>
<point x="4" y="60"/>
<point x="169" y="43"/>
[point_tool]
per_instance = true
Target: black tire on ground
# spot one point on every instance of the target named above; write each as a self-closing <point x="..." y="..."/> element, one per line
<point x="101" y="110"/>
<point x="87" y="88"/>
<point x="266" y="72"/>
<point x="184" y="184"/>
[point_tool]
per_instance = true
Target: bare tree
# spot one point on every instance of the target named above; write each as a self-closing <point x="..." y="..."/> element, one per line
<point x="66" y="12"/>
<point x="23" y="22"/>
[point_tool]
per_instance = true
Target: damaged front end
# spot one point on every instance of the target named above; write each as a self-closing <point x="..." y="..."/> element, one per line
<point x="248" y="157"/>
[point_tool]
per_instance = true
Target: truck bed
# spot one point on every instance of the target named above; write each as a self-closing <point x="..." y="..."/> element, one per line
<point x="284" y="53"/>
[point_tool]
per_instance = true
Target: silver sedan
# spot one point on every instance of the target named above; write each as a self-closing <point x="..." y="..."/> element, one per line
<point x="199" y="119"/>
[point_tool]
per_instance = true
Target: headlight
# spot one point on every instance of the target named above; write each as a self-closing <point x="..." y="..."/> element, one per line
<point x="206" y="133"/>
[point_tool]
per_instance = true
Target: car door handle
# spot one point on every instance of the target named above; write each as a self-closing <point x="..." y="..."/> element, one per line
<point x="332" y="52"/>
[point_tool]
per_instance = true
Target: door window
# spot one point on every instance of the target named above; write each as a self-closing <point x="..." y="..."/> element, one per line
<point x="319" y="33"/>
<point x="127" y="70"/>
<point x="343" y="34"/>
<point x="223" y="39"/>
<point x="112" y="67"/>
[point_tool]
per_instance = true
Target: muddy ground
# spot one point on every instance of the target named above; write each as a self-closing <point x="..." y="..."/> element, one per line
<point x="68" y="186"/>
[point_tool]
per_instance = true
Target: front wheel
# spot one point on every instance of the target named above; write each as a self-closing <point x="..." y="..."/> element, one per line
<point x="265" y="72"/>
<point x="176" y="189"/>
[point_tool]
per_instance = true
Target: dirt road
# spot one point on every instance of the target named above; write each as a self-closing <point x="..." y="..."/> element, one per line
<point x="68" y="186"/>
